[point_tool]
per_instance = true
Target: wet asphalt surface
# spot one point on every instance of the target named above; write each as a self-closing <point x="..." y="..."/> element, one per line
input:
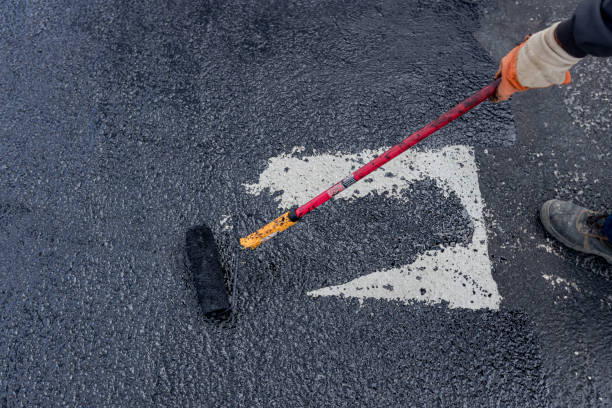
<point x="124" y="124"/>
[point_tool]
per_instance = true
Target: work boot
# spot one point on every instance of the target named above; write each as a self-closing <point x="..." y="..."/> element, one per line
<point x="577" y="227"/>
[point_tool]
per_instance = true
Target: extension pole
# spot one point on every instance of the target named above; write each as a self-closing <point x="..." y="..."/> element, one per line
<point x="290" y="218"/>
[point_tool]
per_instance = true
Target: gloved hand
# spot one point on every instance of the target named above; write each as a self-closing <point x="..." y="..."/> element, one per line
<point x="538" y="62"/>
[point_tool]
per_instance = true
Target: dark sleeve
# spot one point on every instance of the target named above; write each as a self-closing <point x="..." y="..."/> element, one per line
<point x="589" y="31"/>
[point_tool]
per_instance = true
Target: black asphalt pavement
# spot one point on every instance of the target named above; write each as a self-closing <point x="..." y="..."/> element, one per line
<point x="563" y="151"/>
<point x="123" y="124"/>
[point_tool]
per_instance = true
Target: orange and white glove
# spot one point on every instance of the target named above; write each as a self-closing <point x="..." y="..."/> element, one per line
<point x="538" y="62"/>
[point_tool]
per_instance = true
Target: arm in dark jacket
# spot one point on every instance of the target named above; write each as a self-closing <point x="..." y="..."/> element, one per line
<point x="589" y="31"/>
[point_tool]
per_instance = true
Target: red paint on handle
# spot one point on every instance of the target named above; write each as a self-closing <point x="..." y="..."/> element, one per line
<point x="404" y="145"/>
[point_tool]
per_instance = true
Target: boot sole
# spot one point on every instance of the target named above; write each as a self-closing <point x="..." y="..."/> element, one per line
<point x="545" y="219"/>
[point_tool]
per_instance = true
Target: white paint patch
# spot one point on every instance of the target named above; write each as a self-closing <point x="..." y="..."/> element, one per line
<point x="549" y="249"/>
<point x="558" y="282"/>
<point x="225" y="223"/>
<point x="452" y="274"/>
<point x="571" y="288"/>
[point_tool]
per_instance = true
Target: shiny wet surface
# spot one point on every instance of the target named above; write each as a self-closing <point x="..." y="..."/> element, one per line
<point x="124" y="124"/>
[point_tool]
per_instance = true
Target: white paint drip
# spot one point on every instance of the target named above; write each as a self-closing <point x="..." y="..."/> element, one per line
<point x="459" y="275"/>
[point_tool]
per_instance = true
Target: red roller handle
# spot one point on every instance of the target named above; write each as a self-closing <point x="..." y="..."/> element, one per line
<point x="400" y="148"/>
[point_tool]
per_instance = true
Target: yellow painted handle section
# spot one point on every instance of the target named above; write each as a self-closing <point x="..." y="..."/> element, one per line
<point x="269" y="231"/>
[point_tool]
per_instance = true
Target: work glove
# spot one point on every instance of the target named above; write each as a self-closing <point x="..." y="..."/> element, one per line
<point x="538" y="62"/>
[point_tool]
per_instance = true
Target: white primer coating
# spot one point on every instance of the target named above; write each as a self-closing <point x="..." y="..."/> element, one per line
<point x="441" y="274"/>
